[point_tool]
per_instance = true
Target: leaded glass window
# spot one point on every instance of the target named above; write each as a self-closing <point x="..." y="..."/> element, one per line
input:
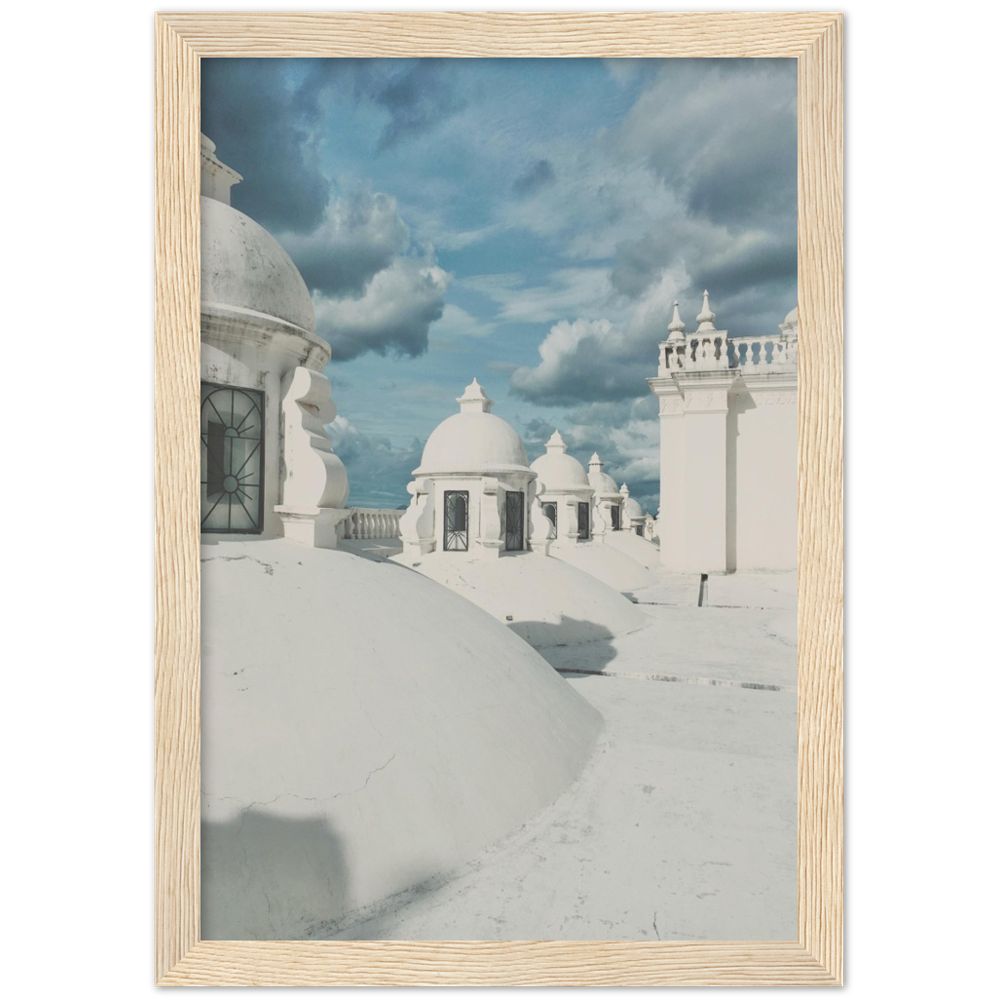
<point x="583" y="520"/>
<point x="513" y="509"/>
<point x="456" y="520"/>
<point x="616" y="518"/>
<point x="549" y="510"/>
<point x="232" y="459"/>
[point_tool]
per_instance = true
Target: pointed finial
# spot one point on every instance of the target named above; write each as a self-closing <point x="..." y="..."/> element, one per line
<point x="474" y="399"/>
<point x="706" y="318"/>
<point x="556" y="443"/>
<point x="676" y="326"/>
<point x="595" y="459"/>
<point x="624" y="490"/>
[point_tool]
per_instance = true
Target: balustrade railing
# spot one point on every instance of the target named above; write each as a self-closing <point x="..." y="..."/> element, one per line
<point x="367" y="522"/>
<point x="696" y="353"/>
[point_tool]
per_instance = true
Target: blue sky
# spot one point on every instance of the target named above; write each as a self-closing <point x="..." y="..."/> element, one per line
<point x="529" y="222"/>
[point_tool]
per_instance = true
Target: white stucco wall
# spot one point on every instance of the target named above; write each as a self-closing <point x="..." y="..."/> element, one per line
<point x="767" y="474"/>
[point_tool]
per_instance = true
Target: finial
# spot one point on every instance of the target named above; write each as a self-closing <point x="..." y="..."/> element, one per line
<point x="474" y="399"/>
<point x="676" y="326"/>
<point x="624" y="490"/>
<point x="706" y="318"/>
<point x="556" y="443"/>
<point x="595" y="459"/>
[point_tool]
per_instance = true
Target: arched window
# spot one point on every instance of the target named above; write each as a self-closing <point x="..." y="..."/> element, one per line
<point x="456" y="520"/>
<point x="232" y="459"/>
<point x="549" y="510"/>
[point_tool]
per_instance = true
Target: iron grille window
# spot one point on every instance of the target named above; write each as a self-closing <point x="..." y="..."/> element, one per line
<point x="232" y="459"/>
<point x="583" y="520"/>
<point x="616" y="518"/>
<point x="549" y="510"/>
<point x="456" y="520"/>
<point x="638" y="530"/>
<point x="513" y="509"/>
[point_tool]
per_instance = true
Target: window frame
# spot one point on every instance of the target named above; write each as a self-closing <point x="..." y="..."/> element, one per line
<point x="454" y="531"/>
<point x="259" y="400"/>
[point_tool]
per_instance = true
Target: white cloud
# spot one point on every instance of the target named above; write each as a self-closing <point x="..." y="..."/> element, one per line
<point x="573" y="291"/>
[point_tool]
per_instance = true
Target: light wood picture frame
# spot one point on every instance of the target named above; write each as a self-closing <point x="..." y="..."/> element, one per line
<point x="181" y="957"/>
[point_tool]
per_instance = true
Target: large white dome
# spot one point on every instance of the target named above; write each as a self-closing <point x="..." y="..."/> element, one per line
<point x="364" y="730"/>
<point x="245" y="269"/>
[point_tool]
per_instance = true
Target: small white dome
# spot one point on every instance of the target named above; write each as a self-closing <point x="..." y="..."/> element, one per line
<point x="632" y="509"/>
<point x="478" y="443"/>
<point x="603" y="484"/>
<point x="558" y="471"/>
<point x="792" y="319"/>
<point x="244" y="268"/>
<point x="473" y="441"/>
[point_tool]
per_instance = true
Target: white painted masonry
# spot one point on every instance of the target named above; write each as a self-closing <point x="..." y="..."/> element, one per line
<point x="728" y="447"/>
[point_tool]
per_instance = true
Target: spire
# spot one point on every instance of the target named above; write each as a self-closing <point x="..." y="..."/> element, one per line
<point x="676" y="326"/>
<point x="706" y="318"/>
<point x="556" y="443"/>
<point x="624" y="490"/>
<point x="595" y="459"/>
<point x="474" y="399"/>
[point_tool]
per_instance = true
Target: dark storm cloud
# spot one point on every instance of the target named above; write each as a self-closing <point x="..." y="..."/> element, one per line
<point x="255" y="120"/>
<point x="392" y="317"/>
<point x="417" y="99"/>
<point x="360" y="235"/>
<point x="263" y="113"/>
<point x="538" y="175"/>
<point x="724" y="138"/>
<point x="713" y="259"/>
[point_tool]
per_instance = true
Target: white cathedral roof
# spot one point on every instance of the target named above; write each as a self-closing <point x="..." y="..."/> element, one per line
<point x="473" y="441"/>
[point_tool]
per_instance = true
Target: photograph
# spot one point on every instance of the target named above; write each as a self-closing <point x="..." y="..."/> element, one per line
<point x="499" y="495"/>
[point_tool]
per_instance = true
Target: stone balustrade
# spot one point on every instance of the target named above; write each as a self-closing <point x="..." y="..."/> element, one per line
<point x="769" y="350"/>
<point x="708" y="353"/>
<point x="367" y="522"/>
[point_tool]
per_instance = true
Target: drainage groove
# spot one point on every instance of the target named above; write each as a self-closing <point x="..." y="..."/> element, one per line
<point x="702" y="589"/>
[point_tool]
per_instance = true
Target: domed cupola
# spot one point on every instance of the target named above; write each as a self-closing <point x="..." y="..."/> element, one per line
<point x="473" y="492"/>
<point x="266" y="464"/>
<point x="568" y="495"/>
<point x="607" y="497"/>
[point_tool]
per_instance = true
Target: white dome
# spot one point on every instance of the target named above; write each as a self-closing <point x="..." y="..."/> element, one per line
<point x="353" y="747"/>
<point x="473" y="442"/>
<point x="603" y="484"/>
<point x="560" y="472"/>
<point x="792" y="319"/>
<point x="632" y="508"/>
<point x="244" y="268"/>
<point x="557" y="471"/>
